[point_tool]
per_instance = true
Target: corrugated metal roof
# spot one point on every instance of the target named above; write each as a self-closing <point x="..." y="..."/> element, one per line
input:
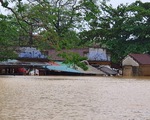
<point x="143" y="59"/>
<point x="91" y="70"/>
<point x="62" y="67"/>
<point x="56" y="66"/>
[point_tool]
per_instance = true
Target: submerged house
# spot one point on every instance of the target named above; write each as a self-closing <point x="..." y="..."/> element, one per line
<point x="95" y="55"/>
<point x="136" y="65"/>
<point x="31" y="61"/>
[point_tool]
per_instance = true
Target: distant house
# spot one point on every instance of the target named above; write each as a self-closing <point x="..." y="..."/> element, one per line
<point x="31" y="61"/>
<point x="136" y="65"/>
<point x="30" y="52"/>
<point x="95" y="55"/>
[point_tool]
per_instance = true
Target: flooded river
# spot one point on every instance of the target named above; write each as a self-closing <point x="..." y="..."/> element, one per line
<point x="74" y="98"/>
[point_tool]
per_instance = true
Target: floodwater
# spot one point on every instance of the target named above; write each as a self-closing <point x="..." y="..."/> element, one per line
<point x="74" y="98"/>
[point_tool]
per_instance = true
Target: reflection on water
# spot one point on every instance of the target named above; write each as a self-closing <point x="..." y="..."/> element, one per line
<point x="74" y="98"/>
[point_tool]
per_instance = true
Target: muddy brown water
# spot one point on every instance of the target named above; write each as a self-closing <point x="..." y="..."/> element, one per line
<point x="74" y="98"/>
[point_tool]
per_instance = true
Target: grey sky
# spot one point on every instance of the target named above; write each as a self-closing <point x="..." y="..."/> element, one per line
<point x="117" y="2"/>
<point x="113" y="2"/>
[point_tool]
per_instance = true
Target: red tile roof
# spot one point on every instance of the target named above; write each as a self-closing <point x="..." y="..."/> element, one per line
<point x="143" y="59"/>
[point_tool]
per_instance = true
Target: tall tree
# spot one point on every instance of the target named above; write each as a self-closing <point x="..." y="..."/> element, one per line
<point x="122" y="30"/>
<point x="56" y="17"/>
<point x="53" y="21"/>
<point x="8" y="37"/>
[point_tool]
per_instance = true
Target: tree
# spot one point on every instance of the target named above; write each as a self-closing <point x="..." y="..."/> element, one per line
<point x="122" y="30"/>
<point x="8" y="39"/>
<point x="55" y="16"/>
<point x="129" y="33"/>
<point x="52" y="22"/>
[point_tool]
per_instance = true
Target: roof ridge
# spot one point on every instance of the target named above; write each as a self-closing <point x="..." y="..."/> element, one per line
<point x="141" y="58"/>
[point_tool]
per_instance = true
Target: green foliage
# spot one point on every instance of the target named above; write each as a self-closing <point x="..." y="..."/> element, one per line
<point x="70" y="40"/>
<point x="74" y="59"/>
<point x="82" y="65"/>
<point x="8" y="37"/>
<point x="122" y="30"/>
<point x="5" y="4"/>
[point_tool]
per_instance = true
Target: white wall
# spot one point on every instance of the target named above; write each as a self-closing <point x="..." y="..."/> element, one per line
<point x="129" y="61"/>
<point x="97" y="54"/>
<point x="30" y="52"/>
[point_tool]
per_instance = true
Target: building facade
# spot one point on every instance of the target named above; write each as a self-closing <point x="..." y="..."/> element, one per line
<point x="136" y="65"/>
<point x="95" y="56"/>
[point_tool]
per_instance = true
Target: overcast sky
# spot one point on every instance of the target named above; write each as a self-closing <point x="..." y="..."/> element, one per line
<point x="117" y="2"/>
<point x="113" y="2"/>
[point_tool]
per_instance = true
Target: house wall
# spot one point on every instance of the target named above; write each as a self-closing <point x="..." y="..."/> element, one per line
<point x="53" y="54"/>
<point x="98" y="54"/>
<point x="130" y="67"/>
<point x="127" y="71"/>
<point x="144" y="70"/>
<point x="93" y="54"/>
<point x="129" y="61"/>
<point x="30" y="52"/>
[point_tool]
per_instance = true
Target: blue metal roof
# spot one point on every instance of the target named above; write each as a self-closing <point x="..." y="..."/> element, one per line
<point x="62" y="67"/>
